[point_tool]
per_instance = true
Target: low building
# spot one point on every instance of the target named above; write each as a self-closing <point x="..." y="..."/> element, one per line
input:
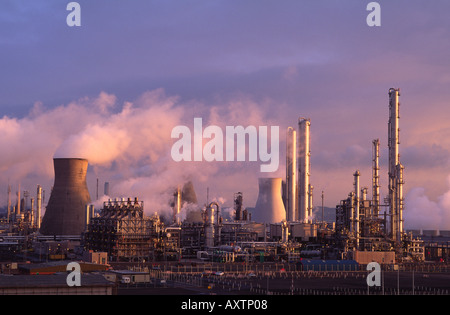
<point x="50" y="268"/>
<point x="91" y="284"/>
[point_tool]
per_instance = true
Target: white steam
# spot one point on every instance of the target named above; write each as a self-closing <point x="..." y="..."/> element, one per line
<point x="423" y="213"/>
<point x="127" y="145"/>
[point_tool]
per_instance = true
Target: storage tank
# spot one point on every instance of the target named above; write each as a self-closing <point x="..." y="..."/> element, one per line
<point x="65" y="213"/>
<point x="269" y="205"/>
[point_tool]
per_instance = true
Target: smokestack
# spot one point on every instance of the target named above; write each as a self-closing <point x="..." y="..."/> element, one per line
<point x="269" y="205"/>
<point x="106" y="189"/>
<point x="291" y="175"/>
<point x="238" y="206"/>
<point x="65" y="214"/>
<point x="303" y="165"/>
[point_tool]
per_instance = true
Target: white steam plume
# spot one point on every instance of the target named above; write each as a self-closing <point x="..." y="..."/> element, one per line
<point x="127" y="145"/>
<point x="423" y="213"/>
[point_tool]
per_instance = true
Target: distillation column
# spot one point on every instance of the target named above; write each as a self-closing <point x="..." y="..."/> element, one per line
<point x="400" y="200"/>
<point x="395" y="193"/>
<point x="376" y="178"/>
<point x="356" y="208"/>
<point x="303" y="156"/>
<point x="9" y="203"/>
<point x="291" y="175"/>
<point x="38" y="206"/>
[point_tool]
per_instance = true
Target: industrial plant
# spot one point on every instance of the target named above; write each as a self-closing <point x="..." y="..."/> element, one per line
<point x="281" y="232"/>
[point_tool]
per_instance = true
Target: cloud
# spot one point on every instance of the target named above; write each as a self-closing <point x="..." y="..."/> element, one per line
<point x="426" y="156"/>
<point x="423" y="213"/>
<point x="128" y="145"/>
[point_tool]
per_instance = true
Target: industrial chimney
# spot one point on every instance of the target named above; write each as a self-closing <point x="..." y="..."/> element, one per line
<point x="65" y="214"/>
<point x="269" y="205"/>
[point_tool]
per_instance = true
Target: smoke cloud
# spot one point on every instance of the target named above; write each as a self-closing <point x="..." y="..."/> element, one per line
<point x="423" y="213"/>
<point x="127" y="145"/>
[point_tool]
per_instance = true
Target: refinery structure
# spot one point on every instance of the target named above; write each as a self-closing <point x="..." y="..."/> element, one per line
<point x="280" y="228"/>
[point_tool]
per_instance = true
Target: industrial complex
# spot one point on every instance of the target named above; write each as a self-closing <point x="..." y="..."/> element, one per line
<point x="278" y="239"/>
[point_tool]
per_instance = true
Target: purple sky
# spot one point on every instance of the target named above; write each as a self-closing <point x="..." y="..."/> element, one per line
<point x="136" y="69"/>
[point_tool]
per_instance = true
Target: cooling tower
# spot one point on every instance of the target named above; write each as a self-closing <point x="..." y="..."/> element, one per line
<point x="65" y="212"/>
<point x="269" y="205"/>
<point x="188" y="193"/>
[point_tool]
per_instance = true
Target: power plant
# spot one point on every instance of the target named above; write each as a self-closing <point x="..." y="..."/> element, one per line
<point x="280" y="228"/>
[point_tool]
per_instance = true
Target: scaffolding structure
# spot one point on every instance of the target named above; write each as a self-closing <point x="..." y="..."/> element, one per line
<point x="123" y="231"/>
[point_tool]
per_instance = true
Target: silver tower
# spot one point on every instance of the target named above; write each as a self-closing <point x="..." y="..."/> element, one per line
<point x="376" y="177"/>
<point x="395" y="167"/>
<point x="291" y="175"/>
<point x="304" y="169"/>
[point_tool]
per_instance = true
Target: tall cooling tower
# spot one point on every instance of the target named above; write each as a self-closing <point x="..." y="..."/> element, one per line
<point x="269" y="205"/>
<point x="66" y="207"/>
<point x="188" y="193"/>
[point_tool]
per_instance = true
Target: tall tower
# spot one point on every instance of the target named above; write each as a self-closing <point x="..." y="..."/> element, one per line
<point x="304" y="166"/>
<point x="9" y="203"/>
<point x="395" y="167"/>
<point x="19" y="202"/>
<point x="291" y="175"/>
<point x="38" y="206"/>
<point x="376" y="177"/>
<point x="357" y="199"/>
<point x="65" y="212"/>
